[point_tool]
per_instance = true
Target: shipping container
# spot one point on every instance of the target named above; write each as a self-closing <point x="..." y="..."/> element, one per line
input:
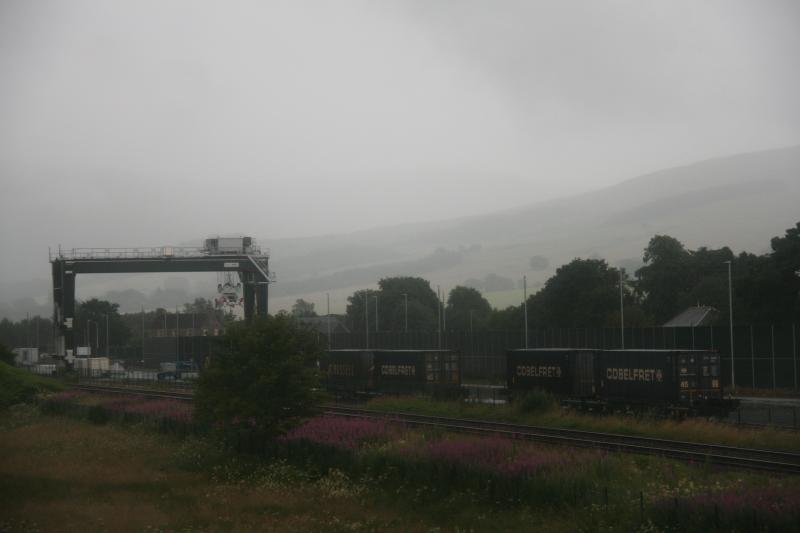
<point x="655" y="377"/>
<point x="349" y="371"/>
<point x="407" y="371"/>
<point x="637" y="376"/>
<point x="560" y="371"/>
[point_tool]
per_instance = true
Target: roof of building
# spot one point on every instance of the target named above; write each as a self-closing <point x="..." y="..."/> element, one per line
<point x="701" y="315"/>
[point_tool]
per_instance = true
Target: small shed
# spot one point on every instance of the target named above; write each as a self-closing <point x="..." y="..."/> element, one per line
<point x="695" y="316"/>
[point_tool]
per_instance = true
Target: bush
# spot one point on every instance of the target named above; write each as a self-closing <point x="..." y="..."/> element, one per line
<point x="263" y="379"/>
<point x="6" y="355"/>
<point x="19" y="386"/>
<point x="535" y="401"/>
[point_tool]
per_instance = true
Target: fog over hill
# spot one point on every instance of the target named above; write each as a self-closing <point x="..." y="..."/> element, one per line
<point x="739" y="201"/>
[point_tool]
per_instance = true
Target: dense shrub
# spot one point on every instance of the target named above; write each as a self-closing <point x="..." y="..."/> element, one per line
<point x="18" y="385"/>
<point x="263" y="379"/>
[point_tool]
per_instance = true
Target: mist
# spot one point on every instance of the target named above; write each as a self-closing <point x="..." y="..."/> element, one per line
<point x="152" y="123"/>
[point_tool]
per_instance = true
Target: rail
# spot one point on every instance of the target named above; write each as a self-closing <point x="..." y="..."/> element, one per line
<point x="698" y="453"/>
<point x="753" y="459"/>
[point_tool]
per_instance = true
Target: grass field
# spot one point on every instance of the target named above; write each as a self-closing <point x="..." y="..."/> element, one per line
<point x="59" y="474"/>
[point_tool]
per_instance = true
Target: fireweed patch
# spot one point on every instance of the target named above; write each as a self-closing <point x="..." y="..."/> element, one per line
<point x="341" y="433"/>
<point x="772" y="507"/>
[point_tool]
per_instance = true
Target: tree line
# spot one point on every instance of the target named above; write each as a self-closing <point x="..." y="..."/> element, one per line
<point x="583" y="293"/>
<point x="586" y="293"/>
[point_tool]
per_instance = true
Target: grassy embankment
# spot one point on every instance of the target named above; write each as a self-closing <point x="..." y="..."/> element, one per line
<point x="123" y="473"/>
<point x="18" y="385"/>
<point x="540" y="410"/>
<point x="63" y="474"/>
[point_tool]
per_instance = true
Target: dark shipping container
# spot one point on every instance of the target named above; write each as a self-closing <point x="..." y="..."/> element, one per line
<point x="408" y="371"/>
<point x="350" y="370"/>
<point x="563" y="372"/>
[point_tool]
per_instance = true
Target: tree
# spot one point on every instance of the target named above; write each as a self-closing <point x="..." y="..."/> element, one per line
<point x="466" y="306"/>
<point x="786" y="260"/>
<point x="421" y="299"/>
<point x="664" y="277"/>
<point x="90" y="324"/>
<point x="263" y="378"/>
<point x="6" y="355"/>
<point x="302" y="308"/>
<point x="582" y="293"/>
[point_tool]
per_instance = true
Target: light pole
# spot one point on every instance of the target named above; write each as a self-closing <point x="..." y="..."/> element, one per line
<point x="328" y="297"/>
<point x="730" y="318"/>
<point x="376" y="317"/>
<point x="366" y="317"/>
<point x="108" y="339"/>
<point x="405" y="301"/>
<point x="439" y="315"/>
<point x="177" y="339"/>
<point x="471" y="338"/>
<point x="142" y="334"/>
<point x="621" y="311"/>
<point x="524" y="303"/>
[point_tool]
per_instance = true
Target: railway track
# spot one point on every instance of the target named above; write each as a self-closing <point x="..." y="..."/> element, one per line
<point x="696" y="453"/>
<point x="137" y="391"/>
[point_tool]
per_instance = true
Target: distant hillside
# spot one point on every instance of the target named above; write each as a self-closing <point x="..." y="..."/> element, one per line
<point x="740" y="201"/>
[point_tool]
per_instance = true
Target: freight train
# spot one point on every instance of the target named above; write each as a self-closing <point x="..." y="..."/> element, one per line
<point x="678" y="382"/>
<point x="674" y="381"/>
<point x="368" y="372"/>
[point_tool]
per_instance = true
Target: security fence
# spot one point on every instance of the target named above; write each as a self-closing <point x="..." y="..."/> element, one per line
<point x="763" y="356"/>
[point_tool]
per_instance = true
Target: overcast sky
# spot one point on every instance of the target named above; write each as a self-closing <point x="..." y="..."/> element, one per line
<point x="151" y="122"/>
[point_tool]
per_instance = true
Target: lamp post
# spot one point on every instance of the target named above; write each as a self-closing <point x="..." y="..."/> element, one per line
<point x="621" y="310"/>
<point x="405" y="301"/>
<point x="366" y="318"/>
<point x="376" y="317"/>
<point x="730" y="318"/>
<point x="471" y="337"/>
<point x="177" y="339"/>
<point x="328" y="298"/>
<point x="108" y="339"/>
<point x="439" y="315"/>
<point x="89" y="332"/>
<point x="525" y="305"/>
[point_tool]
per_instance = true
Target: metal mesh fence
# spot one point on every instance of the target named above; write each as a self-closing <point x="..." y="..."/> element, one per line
<point x="765" y="356"/>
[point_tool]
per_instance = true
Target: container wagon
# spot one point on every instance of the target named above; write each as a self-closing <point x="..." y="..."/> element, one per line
<point x="678" y="381"/>
<point x="560" y="371"/>
<point x="434" y="372"/>
<point x="350" y="371"/>
<point x="682" y="380"/>
<point x="356" y="372"/>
